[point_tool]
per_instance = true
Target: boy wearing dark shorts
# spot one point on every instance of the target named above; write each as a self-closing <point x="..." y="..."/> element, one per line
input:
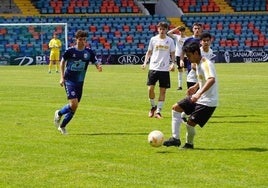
<point x="201" y="101"/>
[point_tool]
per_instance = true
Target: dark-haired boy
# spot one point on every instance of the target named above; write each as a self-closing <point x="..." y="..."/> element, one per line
<point x="160" y="51"/>
<point x="73" y="67"/>
<point x="201" y="101"/>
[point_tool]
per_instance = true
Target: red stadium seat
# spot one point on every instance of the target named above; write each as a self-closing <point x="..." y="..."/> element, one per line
<point x="103" y="9"/>
<point x="135" y="9"/>
<point x="45" y="47"/>
<point x="129" y="39"/>
<point x="70" y="10"/>
<point x="126" y="28"/>
<point x="116" y="9"/>
<point x="139" y="28"/>
<point x="107" y="45"/>
<point x="106" y="28"/>
<point x="222" y="43"/>
<point x="248" y="42"/>
<point x="141" y="45"/>
<point x="152" y="27"/>
<point x="92" y="28"/>
<point x="235" y="43"/>
<point x="102" y="40"/>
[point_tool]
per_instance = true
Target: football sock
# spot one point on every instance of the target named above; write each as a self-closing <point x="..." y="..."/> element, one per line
<point x="49" y="66"/>
<point x="180" y="79"/>
<point x="67" y="119"/>
<point x="57" y="66"/>
<point x="159" y="106"/>
<point x="152" y="102"/>
<point x="175" y="124"/>
<point x="65" y="110"/>
<point x="183" y="115"/>
<point x="190" y="134"/>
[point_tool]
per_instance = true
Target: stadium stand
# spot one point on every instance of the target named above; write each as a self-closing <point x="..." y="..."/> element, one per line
<point x="119" y="27"/>
<point x="234" y="32"/>
<point x="248" y="5"/>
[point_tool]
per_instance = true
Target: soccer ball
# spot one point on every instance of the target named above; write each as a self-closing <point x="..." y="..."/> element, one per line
<point x="156" y="138"/>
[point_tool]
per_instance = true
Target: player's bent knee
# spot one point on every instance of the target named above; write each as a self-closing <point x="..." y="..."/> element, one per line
<point x="177" y="108"/>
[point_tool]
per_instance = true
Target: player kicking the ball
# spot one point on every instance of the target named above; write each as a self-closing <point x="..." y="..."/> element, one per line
<point x="73" y="67"/>
<point x="201" y="101"/>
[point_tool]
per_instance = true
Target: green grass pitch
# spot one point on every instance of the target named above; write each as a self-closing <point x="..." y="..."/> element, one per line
<point x="107" y="141"/>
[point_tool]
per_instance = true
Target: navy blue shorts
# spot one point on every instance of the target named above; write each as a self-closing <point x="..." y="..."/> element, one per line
<point x="162" y="76"/>
<point x="73" y="90"/>
<point x="199" y="113"/>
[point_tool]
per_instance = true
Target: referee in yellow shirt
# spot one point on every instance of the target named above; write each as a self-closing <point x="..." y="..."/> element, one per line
<point x="54" y="58"/>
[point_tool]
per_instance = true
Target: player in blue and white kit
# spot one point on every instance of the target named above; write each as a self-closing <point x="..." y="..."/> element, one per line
<point x="73" y="67"/>
<point x="191" y="76"/>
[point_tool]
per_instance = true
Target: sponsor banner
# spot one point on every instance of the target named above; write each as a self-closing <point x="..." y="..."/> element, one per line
<point x="23" y="60"/>
<point x="247" y="56"/>
<point x="29" y="60"/>
<point x="4" y="60"/>
<point x="130" y="59"/>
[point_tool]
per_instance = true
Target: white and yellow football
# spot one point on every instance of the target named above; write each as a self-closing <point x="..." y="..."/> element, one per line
<point x="156" y="138"/>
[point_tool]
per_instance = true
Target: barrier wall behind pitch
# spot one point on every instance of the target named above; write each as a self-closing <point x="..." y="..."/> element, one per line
<point x="249" y="56"/>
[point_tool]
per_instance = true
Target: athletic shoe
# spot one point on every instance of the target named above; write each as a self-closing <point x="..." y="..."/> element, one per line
<point x="151" y="112"/>
<point x="179" y="88"/>
<point x="57" y="118"/>
<point x="62" y="130"/>
<point x="188" y="146"/>
<point x="172" y="142"/>
<point x="158" y="115"/>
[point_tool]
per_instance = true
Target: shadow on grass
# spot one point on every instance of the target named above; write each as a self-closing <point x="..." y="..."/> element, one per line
<point x="232" y="119"/>
<point x="254" y="149"/>
<point x="104" y="134"/>
<point x="234" y="116"/>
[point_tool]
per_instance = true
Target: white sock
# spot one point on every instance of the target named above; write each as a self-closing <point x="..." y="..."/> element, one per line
<point x="190" y="134"/>
<point x="175" y="124"/>
<point x="183" y="115"/>
<point x="152" y="102"/>
<point x="180" y="79"/>
<point x="159" y="106"/>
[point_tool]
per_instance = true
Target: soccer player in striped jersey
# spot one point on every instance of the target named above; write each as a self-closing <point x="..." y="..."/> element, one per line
<point x="74" y="65"/>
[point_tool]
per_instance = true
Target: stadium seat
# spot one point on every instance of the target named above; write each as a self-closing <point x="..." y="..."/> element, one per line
<point x="129" y="39"/>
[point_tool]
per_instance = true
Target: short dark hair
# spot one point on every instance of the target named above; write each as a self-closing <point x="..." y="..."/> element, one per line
<point x="191" y="47"/>
<point x="181" y="28"/>
<point x="163" y="24"/>
<point x="205" y="35"/>
<point x="197" y="24"/>
<point x="81" y="33"/>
